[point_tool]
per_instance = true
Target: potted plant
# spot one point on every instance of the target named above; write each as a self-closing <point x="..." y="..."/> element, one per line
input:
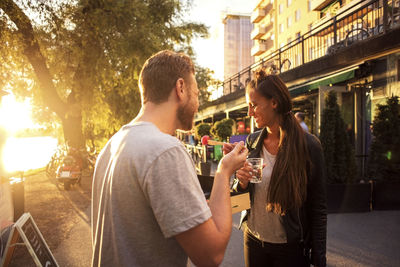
<point x="222" y="129"/>
<point x="343" y="194"/>
<point x="202" y="129"/>
<point x="384" y="159"/>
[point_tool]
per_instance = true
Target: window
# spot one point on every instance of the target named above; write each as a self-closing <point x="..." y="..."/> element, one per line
<point x="289" y="2"/>
<point x="272" y="36"/>
<point x="280" y="8"/>
<point x="297" y="15"/>
<point x="309" y="5"/>
<point x="281" y="28"/>
<point x="289" y="22"/>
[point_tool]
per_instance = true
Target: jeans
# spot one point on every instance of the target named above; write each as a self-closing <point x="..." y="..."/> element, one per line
<point x="264" y="254"/>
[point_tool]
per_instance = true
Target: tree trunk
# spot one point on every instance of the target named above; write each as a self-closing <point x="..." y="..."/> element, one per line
<point x="72" y="127"/>
<point x="70" y="114"/>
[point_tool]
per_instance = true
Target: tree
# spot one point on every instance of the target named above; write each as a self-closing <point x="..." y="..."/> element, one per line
<point x="204" y="79"/>
<point x="384" y="158"/>
<point x="338" y="153"/>
<point x="202" y="129"/>
<point x="80" y="61"/>
<point x="222" y="129"/>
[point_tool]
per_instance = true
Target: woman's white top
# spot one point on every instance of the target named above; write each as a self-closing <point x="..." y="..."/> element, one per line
<point x="266" y="226"/>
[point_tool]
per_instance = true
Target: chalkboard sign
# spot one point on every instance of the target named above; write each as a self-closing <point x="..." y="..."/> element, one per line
<point x="26" y="229"/>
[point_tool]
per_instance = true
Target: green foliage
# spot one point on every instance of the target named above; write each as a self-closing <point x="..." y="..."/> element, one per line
<point x="94" y="51"/>
<point x="338" y="152"/>
<point x="222" y="129"/>
<point x="384" y="158"/>
<point x="204" y="81"/>
<point x="202" y="129"/>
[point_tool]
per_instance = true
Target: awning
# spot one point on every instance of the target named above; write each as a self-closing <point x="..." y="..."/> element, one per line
<point x="327" y="79"/>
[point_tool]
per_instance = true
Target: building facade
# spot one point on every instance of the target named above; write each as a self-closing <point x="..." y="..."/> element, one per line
<point x="351" y="47"/>
<point x="237" y="43"/>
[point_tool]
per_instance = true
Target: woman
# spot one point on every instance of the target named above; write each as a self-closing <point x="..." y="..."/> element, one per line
<point x="287" y="219"/>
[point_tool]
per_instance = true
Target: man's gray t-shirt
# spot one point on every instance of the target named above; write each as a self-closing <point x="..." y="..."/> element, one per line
<point x="145" y="191"/>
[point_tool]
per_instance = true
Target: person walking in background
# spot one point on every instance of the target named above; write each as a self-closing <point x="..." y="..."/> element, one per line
<point x="288" y="216"/>
<point x="148" y="208"/>
<point x="300" y="116"/>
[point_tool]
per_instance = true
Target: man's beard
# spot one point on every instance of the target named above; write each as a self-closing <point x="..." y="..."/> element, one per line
<point x="185" y="116"/>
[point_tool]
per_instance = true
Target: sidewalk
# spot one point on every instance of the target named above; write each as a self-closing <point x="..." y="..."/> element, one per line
<point x="354" y="239"/>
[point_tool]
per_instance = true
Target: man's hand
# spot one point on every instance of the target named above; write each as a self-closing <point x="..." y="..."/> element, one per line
<point x="234" y="159"/>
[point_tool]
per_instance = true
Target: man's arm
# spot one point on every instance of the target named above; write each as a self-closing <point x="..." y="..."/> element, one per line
<point x="205" y="244"/>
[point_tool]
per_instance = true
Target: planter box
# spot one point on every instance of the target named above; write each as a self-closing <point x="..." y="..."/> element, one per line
<point x="386" y="195"/>
<point x="205" y="168"/>
<point x="349" y="197"/>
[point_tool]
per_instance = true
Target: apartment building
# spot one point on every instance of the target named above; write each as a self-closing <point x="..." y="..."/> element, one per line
<point x="237" y="43"/>
<point x="278" y="23"/>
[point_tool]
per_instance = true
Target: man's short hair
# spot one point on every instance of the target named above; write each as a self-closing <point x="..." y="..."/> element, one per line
<point x="160" y="73"/>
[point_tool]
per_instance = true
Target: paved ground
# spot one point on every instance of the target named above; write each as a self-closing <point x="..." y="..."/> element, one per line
<point x="354" y="239"/>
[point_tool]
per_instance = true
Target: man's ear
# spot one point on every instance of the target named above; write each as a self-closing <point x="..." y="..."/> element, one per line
<point x="180" y="88"/>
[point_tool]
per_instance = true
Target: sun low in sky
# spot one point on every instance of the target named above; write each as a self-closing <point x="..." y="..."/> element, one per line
<point x="26" y="153"/>
<point x="14" y="115"/>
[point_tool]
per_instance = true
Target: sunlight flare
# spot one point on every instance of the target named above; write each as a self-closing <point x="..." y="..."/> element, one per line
<point x="14" y="115"/>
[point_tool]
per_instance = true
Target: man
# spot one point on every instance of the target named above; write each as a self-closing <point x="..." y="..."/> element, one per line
<point x="300" y="118"/>
<point x="148" y="208"/>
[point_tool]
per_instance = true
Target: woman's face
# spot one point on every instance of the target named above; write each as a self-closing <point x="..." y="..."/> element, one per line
<point x="262" y="109"/>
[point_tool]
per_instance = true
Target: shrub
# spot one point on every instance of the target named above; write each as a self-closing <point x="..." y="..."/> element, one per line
<point x="338" y="152"/>
<point x="384" y="158"/>
<point x="202" y="129"/>
<point x="222" y="129"/>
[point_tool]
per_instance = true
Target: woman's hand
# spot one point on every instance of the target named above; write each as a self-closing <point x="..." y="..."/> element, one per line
<point x="244" y="175"/>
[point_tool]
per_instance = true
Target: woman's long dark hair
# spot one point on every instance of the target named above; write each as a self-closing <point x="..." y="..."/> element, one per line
<point x="288" y="185"/>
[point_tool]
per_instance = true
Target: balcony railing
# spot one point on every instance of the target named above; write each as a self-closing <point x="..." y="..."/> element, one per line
<point x="258" y="15"/>
<point x="356" y="23"/>
<point x="258" y="32"/>
<point x="261" y="47"/>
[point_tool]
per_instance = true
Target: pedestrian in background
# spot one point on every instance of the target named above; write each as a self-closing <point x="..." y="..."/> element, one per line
<point x="300" y="116"/>
<point x="286" y="225"/>
<point x="148" y="208"/>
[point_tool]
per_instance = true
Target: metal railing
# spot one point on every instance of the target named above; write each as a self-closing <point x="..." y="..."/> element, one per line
<point x="198" y="154"/>
<point x="358" y="22"/>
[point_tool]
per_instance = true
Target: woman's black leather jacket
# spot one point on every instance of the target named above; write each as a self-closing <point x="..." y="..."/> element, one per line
<point x="306" y="225"/>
